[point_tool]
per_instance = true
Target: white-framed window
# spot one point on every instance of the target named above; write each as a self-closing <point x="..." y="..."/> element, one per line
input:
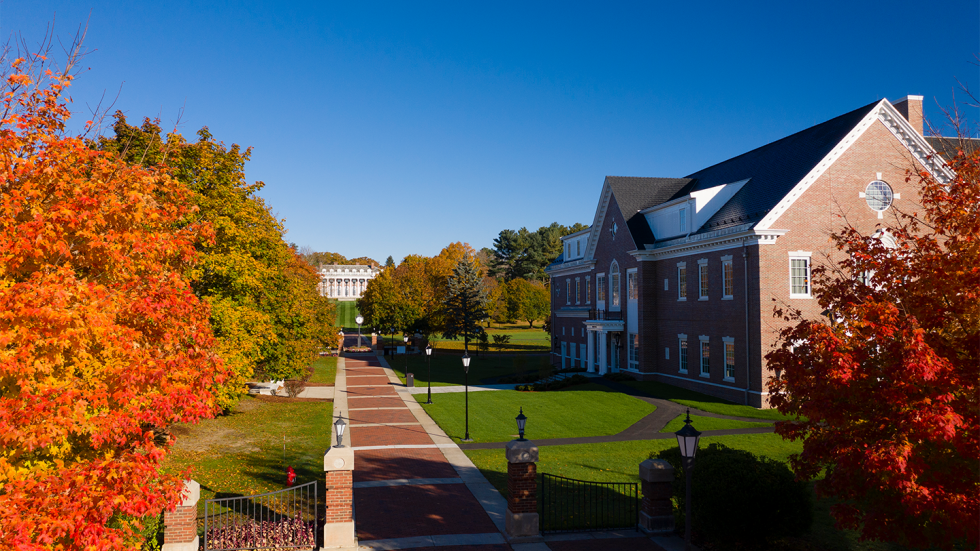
<point x="578" y="248"/>
<point x="666" y="284"/>
<point x="799" y="274"/>
<point x="578" y="291"/>
<point x="682" y="353"/>
<point x="727" y="278"/>
<point x="703" y="279"/>
<point x="705" y="356"/>
<point x="634" y="352"/>
<point x="568" y="251"/>
<point x="682" y="281"/>
<point x="729" y="358"/>
<point x="600" y="287"/>
<point x="614" y="286"/>
<point x="682" y="218"/>
<point x="632" y="287"/>
<point x="568" y="291"/>
<point x="588" y="289"/>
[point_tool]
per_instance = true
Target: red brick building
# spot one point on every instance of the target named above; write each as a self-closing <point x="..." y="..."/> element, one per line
<point x="677" y="278"/>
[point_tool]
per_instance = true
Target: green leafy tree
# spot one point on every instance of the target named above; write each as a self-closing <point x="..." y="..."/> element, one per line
<point x="526" y="300"/>
<point x="246" y="272"/>
<point x="464" y="303"/>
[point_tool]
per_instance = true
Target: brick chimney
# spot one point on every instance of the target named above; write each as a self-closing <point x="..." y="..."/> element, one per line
<point x="911" y="108"/>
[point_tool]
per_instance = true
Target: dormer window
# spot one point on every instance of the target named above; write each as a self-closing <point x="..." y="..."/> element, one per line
<point x="682" y="216"/>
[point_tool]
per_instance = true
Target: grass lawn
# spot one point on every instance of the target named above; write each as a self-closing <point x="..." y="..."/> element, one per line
<point x="584" y="410"/>
<point x="324" y="371"/>
<point x="242" y="453"/>
<point x="710" y="423"/>
<point x="703" y="401"/>
<point x="447" y="369"/>
<point x="346" y="312"/>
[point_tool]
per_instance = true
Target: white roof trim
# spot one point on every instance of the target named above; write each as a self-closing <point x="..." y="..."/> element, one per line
<point x="600" y="216"/>
<point x="896" y="123"/>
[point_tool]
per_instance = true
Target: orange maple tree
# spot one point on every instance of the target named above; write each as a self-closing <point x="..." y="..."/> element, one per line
<point x="886" y="386"/>
<point x="102" y="341"/>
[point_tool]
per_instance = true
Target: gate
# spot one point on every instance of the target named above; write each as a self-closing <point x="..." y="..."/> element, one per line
<point x="285" y="519"/>
<point x="569" y="505"/>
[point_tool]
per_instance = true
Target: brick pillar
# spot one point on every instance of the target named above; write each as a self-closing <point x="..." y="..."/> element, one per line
<point x="374" y="341"/>
<point x="180" y="525"/>
<point x="657" y="511"/>
<point x="338" y="531"/>
<point x="522" y="485"/>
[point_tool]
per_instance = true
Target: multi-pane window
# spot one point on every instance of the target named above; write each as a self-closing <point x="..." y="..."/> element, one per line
<point x="681" y="281"/>
<point x="634" y="352"/>
<point x="631" y="287"/>
<point x="729" y="359"/>
<point x="600" y="288"/>
<point x="578" y="290"/>
<point x="588" y="289"/>
<point x="799" y="277"/>
<point x="705" y="359"/>
<point x="682" y="355"/>
<point x="683" y="220"/>
<point x="702" y="279"/>
<point x="614" y="285"/>
<point x="728" y="277"/>
<point x="568" y="291"/>
<point x="578" y="248"/>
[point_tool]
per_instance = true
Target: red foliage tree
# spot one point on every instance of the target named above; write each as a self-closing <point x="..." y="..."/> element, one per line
<point x="886" y="386"/>
<point x="102" y="341"/>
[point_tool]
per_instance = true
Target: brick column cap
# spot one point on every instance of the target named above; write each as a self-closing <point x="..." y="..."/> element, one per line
<point x="522" y="451"/>
<point x="656" y="470"/>
<point x="339" y="459"/>
<point x="191" y="494"/>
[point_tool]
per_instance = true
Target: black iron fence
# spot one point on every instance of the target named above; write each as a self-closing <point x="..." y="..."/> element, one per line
<point x="286" y="519"/>
<point x="569" y="505"/>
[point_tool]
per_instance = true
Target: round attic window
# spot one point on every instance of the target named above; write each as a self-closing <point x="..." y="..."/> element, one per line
<point x="879" y="196"/>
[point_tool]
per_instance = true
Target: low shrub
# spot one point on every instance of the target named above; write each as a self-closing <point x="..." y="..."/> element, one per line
<point x="739" y="498"/>
<point x="530" y="378"/>
<point x="618" y="376"/>
<point x="557" y="385"/>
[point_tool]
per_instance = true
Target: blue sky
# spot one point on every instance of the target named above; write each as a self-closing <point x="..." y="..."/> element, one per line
<point x="396" y="128"/>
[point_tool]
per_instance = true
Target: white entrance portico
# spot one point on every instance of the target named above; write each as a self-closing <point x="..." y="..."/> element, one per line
<point x="600" y="356"/>
<point x="345" y="282"/>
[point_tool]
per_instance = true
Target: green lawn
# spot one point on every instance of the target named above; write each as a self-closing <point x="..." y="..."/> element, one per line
<point x="324" y="370"/>
<point x="710" y="423"/>
<point x="346" y="312"/>
<point x="447" y="369"/>
<point x="584" y="410"/>
<point x="703" y="401"/>
<point x="242" y="453"/>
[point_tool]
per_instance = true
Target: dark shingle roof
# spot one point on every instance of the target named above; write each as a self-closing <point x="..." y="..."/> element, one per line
<point x="774" y="169"/>
<point x="948" y="147"/>
<point x="634" y="194"/>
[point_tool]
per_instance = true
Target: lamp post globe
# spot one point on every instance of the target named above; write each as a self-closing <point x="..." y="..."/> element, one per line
<point x="688" y="439"/>
<point x="466" y="393"/>
<point x="339" y="427"/>
<point x="359" y="320"/>
<point x="521" y="421"/>
<point x="428" y="377"/>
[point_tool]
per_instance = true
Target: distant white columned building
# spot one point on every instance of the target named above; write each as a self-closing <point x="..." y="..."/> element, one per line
<point x="345" y="282"/>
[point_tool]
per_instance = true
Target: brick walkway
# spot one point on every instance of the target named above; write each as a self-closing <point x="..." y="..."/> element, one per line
<point x="414" y="488"/>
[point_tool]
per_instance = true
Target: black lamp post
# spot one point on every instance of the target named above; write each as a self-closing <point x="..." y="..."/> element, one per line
<point x="687" y="439"/>
<point x="428" y="356"/>
<point x="405" y="340"/>
<point x="339" y="427"/>
<point x="521" y="420"/>
<point x="359" y="319"/>
<point x="466" y="390"/>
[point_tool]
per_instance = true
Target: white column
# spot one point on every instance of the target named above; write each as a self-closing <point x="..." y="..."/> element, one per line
<point x="603" y="361"/>
<point x="591" y="351"/>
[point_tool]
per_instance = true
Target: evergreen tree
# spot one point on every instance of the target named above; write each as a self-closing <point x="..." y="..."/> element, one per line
<point x="465" y="302"/>
<point x="390" y="263"/>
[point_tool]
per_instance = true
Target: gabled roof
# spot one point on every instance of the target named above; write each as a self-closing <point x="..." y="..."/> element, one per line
<point x="774" y="170"/>
<point x="948" y="147"/>
<point x="634" y="194"/>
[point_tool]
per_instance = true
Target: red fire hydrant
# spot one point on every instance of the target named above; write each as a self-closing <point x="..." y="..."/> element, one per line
<point x="290" y="476"/>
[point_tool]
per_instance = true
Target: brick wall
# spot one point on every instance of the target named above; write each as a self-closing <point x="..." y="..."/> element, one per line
<point x="522" y="487"/>
<point x="339" y="497"/>
<point x="180" y="526"/>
